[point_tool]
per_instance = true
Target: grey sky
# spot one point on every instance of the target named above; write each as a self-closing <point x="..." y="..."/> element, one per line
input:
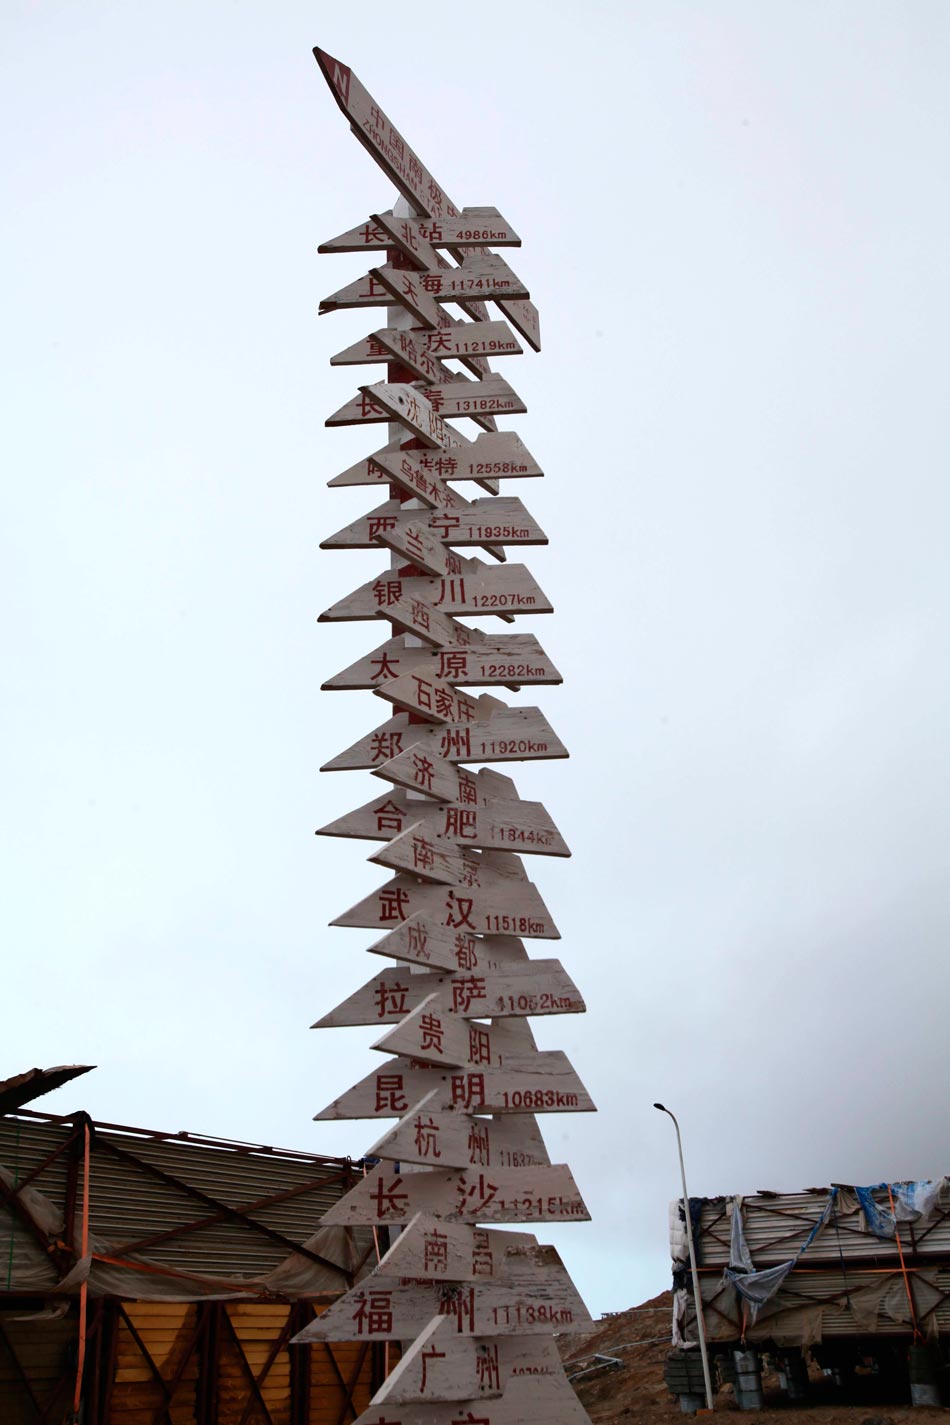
<point x="735" y="222"/>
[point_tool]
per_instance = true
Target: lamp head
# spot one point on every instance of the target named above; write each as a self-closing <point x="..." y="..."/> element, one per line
<point x="661" y="1108"/>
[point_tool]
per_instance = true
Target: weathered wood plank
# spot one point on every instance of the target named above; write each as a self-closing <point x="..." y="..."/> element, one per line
<point x="403" y="470"/>
<point x="473" y="227"/>
<point x="541" y="1082"/>
<point x="502" y="455"/>
<point x="479" y="589"/>
<point x="384" y="142"/>
<point x="414" y="616"/>
<point x="442" y="1138"/>
<point x="525" y="987"/>
<point x="511" y="735"/>
<point x="529" y="1399"/>
<point x="406" y="288"/>
<point x="432" y="1035"/>
<point x="422" y="351"/>
<point x="405" y="236"/>
<point x="436" y="700"/>
<point x="422" y="852"/>
<point x="419" y="768"/>
<point x="386" y="1197"/>
<point x="500" y="908"/>
<point x="421" y="546"/>
<point x="419" y="941"/>
<point x="402" y="402"/>
<point x="501" y="520"/>
<point x="481" y="277"/>
<point x="440" y="1365"/>
<point x="535" y="1299"/>
<point x="459" y="396"/>
<point x="450" y="394"/>
<point x="428" y="1249"/>
<point x="489" y="660"/>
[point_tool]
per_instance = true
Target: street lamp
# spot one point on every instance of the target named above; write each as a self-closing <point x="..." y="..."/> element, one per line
<point x="700" y="1322"/>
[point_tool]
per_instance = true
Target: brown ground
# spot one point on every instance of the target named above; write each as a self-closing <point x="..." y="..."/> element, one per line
<point x="637" y="1392"/>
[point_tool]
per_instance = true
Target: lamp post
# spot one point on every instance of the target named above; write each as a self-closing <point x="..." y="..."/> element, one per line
<point x="700" y="1322"/>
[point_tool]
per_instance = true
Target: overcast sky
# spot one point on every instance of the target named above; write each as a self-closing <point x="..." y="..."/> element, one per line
<point x="735" y="228"/>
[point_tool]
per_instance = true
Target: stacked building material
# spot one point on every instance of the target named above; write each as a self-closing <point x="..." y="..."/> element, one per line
<point x="795" y="1269"/>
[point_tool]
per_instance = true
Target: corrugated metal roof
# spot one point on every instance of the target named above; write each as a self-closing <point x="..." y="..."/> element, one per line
<point x="777" y="1225"/>
<point x="213" y="1198"/>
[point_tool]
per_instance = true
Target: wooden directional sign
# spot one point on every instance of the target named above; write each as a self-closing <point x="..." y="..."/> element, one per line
<point x="501" y="520"/>
<point x="510" y="735"/>
<point x="418" y="618"/>
<point x="442" y="1138"/>
<point x="501" y="456"/>
<point x="435" y="700"/>
<point x="420" y="769"/>
<point x="429" y="1249"/>
<point x="479" y="589"/>
<point x="422" y="350"/>
<point x="421" y="851"/>
<point x="413" y="541"/>
<point x="489" y="660"/>
<point x="483" y="820"/>
<point x="433" y="1036"/>
<point x="542" y="1082"/>
<point x="386" y="1197"/>
<point x="502" y="908"/>
<point x="419" y="941"/>
<point x="441" y="1365"/>
<point x="524" y="827"/>
<point x="405" y="236"/>
<point x="473" y="227"/>
<point x="528" y="1400"/>
<point x="538" y="1298"/>
<point x="524" y="987"/>
<point x="408" y="291"/>
<point x="480" y="277"/>
<point x="411" y="407"/>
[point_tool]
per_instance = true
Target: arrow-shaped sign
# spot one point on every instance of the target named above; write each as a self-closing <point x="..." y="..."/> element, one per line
<point x="525" y="987"/>
<point x="542" y="1082"/>
<point x="419" y="941"/>
<point x="510" y="735"/>
<point x="441" y="1365"/>
<point x="479" y="589"/>
<point x="500" y="520"/>
<point x="503" y="908"/>
<point x="473" y="227"/>
<point x="422" y="350"/>
<point x="386" y="1197"/>
<point x="501" y="455"/>
<point x="489" y="660"/>
<point x="433" y="1036"/>
<point x="525" y="827"/>
<point x="449" y="1139"/>
<point x="481" y="277"/>
<point x="428" y="1249"/>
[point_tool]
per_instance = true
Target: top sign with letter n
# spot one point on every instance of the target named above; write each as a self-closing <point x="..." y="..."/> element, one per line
<point x="474" y="1306"/>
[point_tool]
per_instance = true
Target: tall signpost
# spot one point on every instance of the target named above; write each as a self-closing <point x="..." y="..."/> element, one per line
<point x="473" y="1306"/>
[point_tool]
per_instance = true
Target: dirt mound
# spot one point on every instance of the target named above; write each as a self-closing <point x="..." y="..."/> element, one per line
<point x="635" y="1389"/>
<point x="640" y="1339"/>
